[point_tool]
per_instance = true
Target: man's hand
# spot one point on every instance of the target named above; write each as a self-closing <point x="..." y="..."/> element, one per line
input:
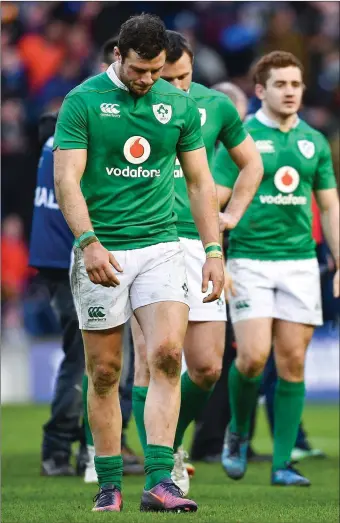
<point x="98" y="263"/>
<point x="336" y="285"/>
<point x="213" y="270"/>
<point x="227" y="221"/>
<point x="228" y="285"/>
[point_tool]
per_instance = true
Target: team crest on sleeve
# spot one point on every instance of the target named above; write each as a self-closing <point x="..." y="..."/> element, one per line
<point x="163" y="112"/>
<point x="203" y="114"/>
<point x="306" y="148"/>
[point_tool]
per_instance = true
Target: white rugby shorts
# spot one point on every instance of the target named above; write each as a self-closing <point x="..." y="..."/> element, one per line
<point x="287" y="290"/>
<point x="194" y="260"/>
<point x="150" y="274"/>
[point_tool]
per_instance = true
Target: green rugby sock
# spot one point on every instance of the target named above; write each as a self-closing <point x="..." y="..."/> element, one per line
<point x="88" y="433"/>
<point x="138" y="404"/>
<point x="158" y="464"/>
<point x="288" y="407"/>
<point x="193" y="400"/>
<point x="243" y="394"/>
<point x="109" y="470"/>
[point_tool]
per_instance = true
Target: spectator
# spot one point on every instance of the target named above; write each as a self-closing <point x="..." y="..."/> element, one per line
<point x="43" y="54"/>
<point x="14" y="260"/>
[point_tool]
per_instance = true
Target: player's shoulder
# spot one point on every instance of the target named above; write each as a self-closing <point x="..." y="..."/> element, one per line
<point x="252" y="124"/>
<point x="93" y="86"/>
<point x="164" y="88"/>
<point x="199" y="92"/>
<point x="310" y="132"/>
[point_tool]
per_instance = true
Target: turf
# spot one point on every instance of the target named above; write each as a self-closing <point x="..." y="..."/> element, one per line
<point x="29" y="498"/>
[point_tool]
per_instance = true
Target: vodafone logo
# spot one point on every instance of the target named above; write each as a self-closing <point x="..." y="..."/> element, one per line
<point x="137" y="150"/>
<point x="286" y="179"/>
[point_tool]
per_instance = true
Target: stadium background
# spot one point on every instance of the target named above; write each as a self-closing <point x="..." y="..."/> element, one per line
<point x="50" y="47"/>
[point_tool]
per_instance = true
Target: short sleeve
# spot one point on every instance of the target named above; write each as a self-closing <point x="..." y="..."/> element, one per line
<point x="325" y="177"/>
<point x="191" y="135"/>
<point x="225" y="171"/>
<point x="71" y="129"/>
<point x="233" y="132"/>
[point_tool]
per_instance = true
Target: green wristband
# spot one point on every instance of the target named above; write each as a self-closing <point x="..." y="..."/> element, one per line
<point x="83" y="236"/>
<point x="211" y="248"/>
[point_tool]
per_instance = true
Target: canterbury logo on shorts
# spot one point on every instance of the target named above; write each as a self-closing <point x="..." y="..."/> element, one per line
<point x="96" y="313"/>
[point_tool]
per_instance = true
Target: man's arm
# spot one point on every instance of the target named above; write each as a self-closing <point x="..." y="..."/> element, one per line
<point x="328" y="202"/>
<point x="204" y="208"/>
<point x="70" y="157"/>
<point x="69" y="166"/>
<point x="248" y="160"/>
<point x="223" y="195"/>
<point x="202" y="193"/>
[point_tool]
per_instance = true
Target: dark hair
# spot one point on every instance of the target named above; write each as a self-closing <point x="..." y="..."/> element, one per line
<point x="145" y="34"/>
<point x="273" y="60"/>
<point x="177" y="45"/>
<point x="106" y="52"/>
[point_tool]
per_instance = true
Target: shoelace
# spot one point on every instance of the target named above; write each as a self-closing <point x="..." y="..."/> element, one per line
<point x="172" y="489"/>
<point x="234" y="445"/>
<point x="290" y="467"/>
<point x="104" y="492"/>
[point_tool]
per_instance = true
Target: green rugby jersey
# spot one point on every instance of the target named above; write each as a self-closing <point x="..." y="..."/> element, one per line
<point x="220" y="121"/>
<point x="131" y="143"/>
<point x="278" y="223"/>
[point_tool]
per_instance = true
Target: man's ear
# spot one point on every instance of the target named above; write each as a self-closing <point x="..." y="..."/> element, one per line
<point x="117" y="56"/>
<point x="260" y="91"/>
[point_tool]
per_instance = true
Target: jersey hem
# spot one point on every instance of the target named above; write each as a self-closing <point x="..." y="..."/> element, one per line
<point x="189" y="235"/>
<point x="190" y="148"/>
<point x="261" y="257"/>
<point x="122" y="246"/>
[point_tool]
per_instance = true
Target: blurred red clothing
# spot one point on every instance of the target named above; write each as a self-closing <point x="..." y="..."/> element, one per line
<point x="41" y="59"/>
<point x="14" y="266"/>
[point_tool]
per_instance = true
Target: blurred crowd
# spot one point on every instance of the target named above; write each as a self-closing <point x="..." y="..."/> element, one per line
<point x="50" y="47"/>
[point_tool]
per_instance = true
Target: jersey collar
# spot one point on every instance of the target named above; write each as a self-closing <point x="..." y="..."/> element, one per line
<point x="268" y="122"/>
<point x="111" y="73"/>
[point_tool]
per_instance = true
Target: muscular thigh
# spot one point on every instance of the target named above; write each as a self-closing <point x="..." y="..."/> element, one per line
<point x="163" y="324"/>
<point x="253" y="338"/>
<point x="291" y="341"/>
<point x="204" y="343"/>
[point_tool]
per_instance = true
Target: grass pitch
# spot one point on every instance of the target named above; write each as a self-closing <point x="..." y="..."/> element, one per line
<point x="29" y="498"/>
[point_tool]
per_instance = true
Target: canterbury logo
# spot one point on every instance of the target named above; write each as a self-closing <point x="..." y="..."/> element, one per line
<point x="242" y="305"/>
<point x="109" y="109"/>
<point x="96" y="312"/>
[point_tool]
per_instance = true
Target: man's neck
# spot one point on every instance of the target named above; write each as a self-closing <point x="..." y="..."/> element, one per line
<point x="114" y="76"/>
<point x="284" y="123"/>
<point x="116" y="68"/>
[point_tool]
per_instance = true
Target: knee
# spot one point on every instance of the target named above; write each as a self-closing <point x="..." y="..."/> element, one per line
<point x="105" y="376"/>
<point x="251" y="365"/>
<point x="291" y="365"/>
<point x="206" y="376"/>
<point x="167" y="359"/>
